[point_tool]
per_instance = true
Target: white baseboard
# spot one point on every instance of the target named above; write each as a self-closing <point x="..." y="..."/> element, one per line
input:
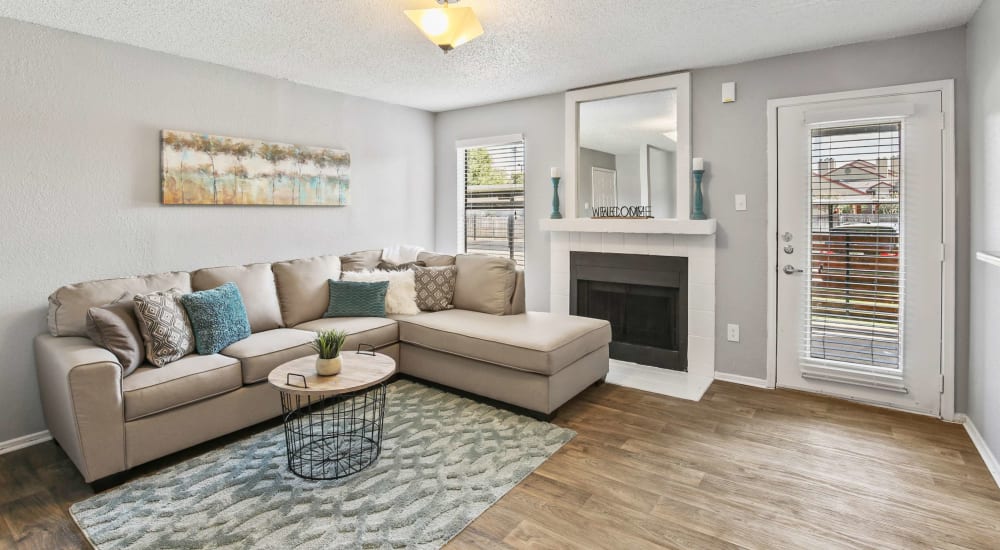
<point x="740" y="379"/>
<point x="24" y="441"/>
<point x="984" y="451"/>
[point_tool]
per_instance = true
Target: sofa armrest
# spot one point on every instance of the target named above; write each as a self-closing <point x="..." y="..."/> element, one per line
<point x="517" y="300"/>
<point x="81" y="390"/>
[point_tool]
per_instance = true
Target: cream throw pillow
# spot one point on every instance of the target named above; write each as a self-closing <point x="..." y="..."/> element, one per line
<point x="401" y="298"/>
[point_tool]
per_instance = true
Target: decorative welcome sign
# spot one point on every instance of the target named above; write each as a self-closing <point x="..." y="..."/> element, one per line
<point x="622" y="212"/>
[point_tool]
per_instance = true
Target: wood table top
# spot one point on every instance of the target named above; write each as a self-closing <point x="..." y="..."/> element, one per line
<point x="360" y="371"/>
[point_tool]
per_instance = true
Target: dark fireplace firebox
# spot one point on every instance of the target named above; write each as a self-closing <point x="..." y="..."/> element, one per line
<point x="643" y="297"/>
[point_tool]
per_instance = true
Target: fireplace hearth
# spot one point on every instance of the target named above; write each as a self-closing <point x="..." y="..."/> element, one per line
<point x="643" y="297"/>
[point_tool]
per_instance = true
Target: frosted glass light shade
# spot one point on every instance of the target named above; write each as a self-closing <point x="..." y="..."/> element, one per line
<point x="447" y="27"/>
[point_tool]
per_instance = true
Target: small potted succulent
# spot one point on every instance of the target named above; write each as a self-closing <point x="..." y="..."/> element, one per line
<point x="328" y="344"/>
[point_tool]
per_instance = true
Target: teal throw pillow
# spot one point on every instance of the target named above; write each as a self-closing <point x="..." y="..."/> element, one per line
<point x="218" y="317"/>
<point x="357" y="299"/>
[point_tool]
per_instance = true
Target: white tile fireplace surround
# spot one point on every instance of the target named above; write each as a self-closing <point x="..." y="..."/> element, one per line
<point x="700" y="251"/>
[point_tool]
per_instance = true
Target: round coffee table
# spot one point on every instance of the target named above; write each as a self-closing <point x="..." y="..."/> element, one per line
<point x="333" y="424"/>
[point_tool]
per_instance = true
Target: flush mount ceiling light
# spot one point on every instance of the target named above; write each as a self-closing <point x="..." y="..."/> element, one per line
<point x="447" y="27"/>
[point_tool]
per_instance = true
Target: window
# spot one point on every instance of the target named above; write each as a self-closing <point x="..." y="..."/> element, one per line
<point x="491" y="186"/>
<point x="856" y="284"/>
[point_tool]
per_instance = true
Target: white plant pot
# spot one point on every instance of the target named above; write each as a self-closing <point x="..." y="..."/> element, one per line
<point x="329" y="367"/>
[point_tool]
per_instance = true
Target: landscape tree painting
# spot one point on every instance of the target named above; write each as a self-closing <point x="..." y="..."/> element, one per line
<point x="206" y="169"/>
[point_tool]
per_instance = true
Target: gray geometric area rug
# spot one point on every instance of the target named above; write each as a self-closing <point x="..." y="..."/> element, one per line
<point x="445" y="460"/>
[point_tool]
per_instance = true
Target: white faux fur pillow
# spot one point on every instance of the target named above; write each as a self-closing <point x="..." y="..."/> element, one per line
<point x="401" y="299"/>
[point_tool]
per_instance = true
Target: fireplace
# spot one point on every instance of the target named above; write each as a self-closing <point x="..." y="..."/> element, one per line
<point x="643" y="297"/>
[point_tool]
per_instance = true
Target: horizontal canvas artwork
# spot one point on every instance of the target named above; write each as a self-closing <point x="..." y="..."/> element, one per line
<point x="206" y="169"/>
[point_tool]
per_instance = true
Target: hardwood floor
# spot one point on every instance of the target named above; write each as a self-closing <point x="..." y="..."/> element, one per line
<point x="743" y="468"/>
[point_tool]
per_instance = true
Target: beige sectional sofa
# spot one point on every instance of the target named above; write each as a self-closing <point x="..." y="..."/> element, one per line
<point x="108" y="423"/>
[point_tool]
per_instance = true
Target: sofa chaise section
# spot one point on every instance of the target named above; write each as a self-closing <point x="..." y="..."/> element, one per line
<point x="534" y="360"/>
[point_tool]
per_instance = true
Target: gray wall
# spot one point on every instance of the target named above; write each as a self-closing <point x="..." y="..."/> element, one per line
<point x="590" y="158"/>
<point x="732" y="139"/>
<point x="540" y="119"/>
<point x="79" y="151"/>
<point x="984" y="102"/>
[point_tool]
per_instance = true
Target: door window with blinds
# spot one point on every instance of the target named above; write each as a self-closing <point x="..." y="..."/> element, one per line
<point x="856" y="280"/>
<point x="492" y="196"/>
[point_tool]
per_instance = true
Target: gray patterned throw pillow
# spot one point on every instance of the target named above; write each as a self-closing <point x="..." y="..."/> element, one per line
<point x="166" y="330"/>
<point x="435" y="287"/>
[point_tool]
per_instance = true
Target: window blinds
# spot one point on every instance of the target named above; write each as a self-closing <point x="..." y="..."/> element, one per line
<point x="856" y="278"/>
<point x="494" y="200"/>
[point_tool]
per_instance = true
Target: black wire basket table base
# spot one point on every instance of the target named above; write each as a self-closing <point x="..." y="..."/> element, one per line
<point x="333" y="437"/>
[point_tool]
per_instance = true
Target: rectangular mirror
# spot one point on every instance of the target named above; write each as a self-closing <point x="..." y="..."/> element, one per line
<point x="628" y="145"/>
<point x="628" y="152"/>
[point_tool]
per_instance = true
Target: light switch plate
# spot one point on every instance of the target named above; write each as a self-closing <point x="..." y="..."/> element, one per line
<point x="741" y="202"/>
<point x="733" y="332"/>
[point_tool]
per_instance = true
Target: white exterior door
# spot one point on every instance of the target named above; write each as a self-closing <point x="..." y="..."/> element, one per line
<point x="859" y="281"/>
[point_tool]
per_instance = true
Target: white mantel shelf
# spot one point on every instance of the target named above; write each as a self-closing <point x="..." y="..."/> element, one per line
<point x="650" y="226"/>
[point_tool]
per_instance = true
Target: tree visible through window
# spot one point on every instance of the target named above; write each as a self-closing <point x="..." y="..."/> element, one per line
<point x="494" y="200"/>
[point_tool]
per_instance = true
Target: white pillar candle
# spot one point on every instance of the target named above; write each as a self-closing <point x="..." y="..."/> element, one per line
<point x="697" y="163"/>
<point x="554" y="172"/>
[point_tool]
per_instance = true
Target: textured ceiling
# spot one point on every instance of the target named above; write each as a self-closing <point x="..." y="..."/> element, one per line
<point x="369" y="48"/>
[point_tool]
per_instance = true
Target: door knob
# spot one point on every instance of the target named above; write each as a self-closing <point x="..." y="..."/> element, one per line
<point x="786" y="236"/>
<point x="789" y="269"/>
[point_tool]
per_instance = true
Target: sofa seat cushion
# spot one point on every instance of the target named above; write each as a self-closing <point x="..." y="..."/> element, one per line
<point x="262" y="352"/>
<point x="374" y="331"/>
<point x="537" y="342"/>
<point x="150" y="390"/>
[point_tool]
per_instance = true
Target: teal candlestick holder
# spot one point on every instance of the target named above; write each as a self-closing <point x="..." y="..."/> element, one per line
<point x="555" y="200"/>
<point x="699" y="199"/>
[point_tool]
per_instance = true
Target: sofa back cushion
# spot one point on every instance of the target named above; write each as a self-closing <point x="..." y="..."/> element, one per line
<point x="389" y="266"/>
<point x="484" y="283"/>
<point x="433" y="259"/>
<point x="68" y="305"/>
<point x="517" y="304"/>
<point x="256" y="284"/>
<point x="364" y="260"/>
<point x="303" y="288"/>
